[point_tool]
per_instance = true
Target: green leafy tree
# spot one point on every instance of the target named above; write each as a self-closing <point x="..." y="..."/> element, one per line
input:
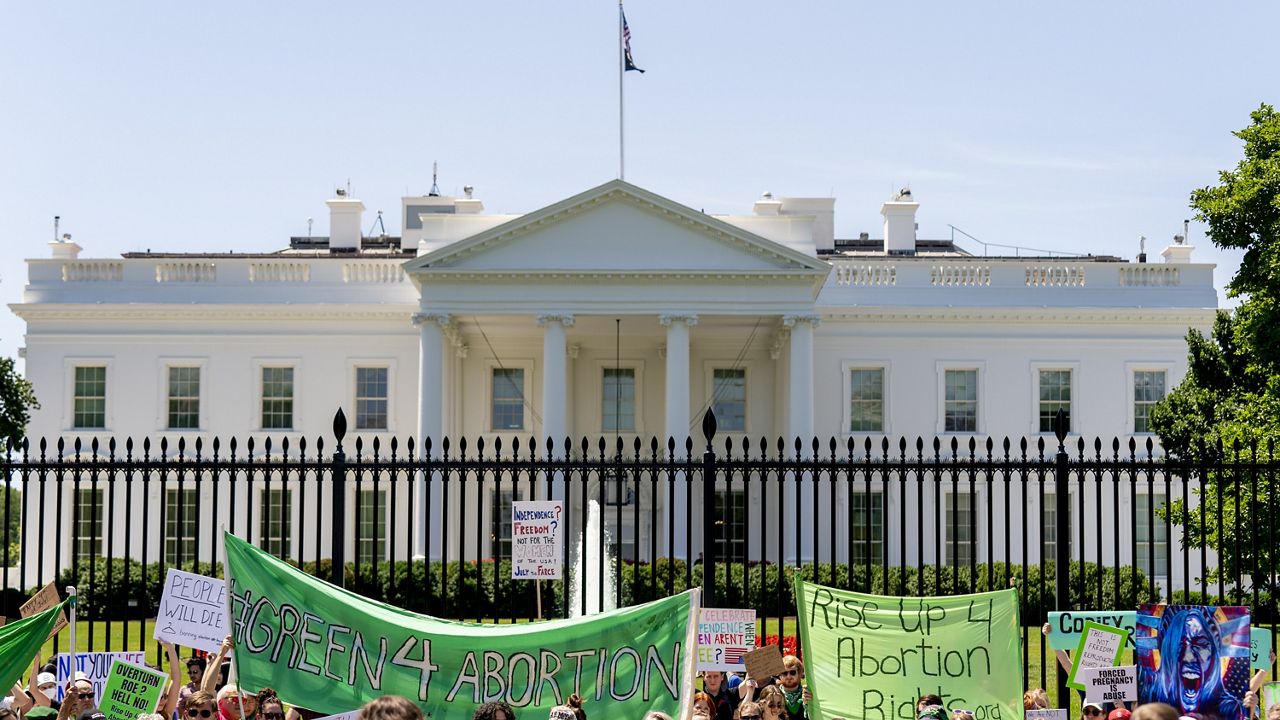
<point x="1227" y="409"/>
<point x="16" y="403"/>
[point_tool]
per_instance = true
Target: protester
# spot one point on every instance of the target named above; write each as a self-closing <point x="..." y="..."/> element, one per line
<point x="927" y="701"/>
<point x="92" y="713"/>
<point x="231" y="701"/>
<point x="78" y="699"/>
<point x="43" y="689"/>
<point x="169" y="701"/>
<point x="772" y="704"/>
<point x="932" y="712"/>
<point x="213" y="681"/>
<point x="724" y="700"/>
<point x="1119" y="714"/>
<point x="18" y="701"/>
<point x="748" y="710"/>
<point x="41" y="712"/>
<point x="703" y="704"/>
<point x="270" y="707"/>
<point x="574" y="705"/>
<point x="494" y="711"/>
<point x="1035" y="699"/>
<point x="961" y="714"/>
<point x="1092" y="710"/>
<point x="795" y="695"/>
<point x="387" y="707"/>
<point x="1155" y="711"/>
<point x="200" y="706"/>
<point x="195" y="675"/>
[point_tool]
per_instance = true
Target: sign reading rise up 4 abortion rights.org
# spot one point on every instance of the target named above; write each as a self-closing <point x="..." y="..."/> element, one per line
<point x="331" y="650"/>
<point x="871" y="657"/>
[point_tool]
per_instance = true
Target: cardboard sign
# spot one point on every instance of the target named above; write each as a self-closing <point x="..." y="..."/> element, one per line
<point x="536" y="539"/>
<point x="1053" y="714"/>
<point x="96" y="666"/>
<point x="1260" y="648"/>
<point x="193" y="611"/>
<point x="1110" y="684"/>
<point x="1100" y="647"/>
<point x="764" y="663"/>
<point x="724" y="638"/>
<point x="1270" y="695"/>
<point x="130" y="690"/>
<point x="43" y="600"/>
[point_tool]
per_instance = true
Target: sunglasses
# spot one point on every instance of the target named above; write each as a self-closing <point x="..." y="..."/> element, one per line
<point x="199" y="713"/>
<point x="271" y="715"/>
<point x="84" y="695"/>
<point x="1092" y="711"/>
<point x="745" y="716"/>
<point x="785" y="673"/>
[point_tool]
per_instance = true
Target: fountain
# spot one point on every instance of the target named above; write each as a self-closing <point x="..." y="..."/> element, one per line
<point x="588" y="580"/>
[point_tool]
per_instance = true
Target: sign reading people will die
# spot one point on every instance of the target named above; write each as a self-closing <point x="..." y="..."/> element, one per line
<point x="193" y="611"/>
<point x="724" y="638"/>
<point x="536" y="539"/>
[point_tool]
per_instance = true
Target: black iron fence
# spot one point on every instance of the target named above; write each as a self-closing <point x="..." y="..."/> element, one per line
<point x="428" y="526"/>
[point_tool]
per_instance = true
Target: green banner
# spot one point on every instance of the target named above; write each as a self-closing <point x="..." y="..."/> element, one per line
<point x="869" y="657"/>
<point x="331" y="651"/>
<point x="20" y="640"/>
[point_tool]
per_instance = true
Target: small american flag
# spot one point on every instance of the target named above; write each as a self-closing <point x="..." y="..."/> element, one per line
<point x="733" y="655"/>
<point x="626" y="43"/>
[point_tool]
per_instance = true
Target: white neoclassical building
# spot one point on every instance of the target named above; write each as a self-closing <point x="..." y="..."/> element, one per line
<point x="615" y="311"/>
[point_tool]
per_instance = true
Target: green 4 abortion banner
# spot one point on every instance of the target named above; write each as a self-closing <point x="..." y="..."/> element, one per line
<point x="330" y="650"/>
<point x="871" y="657"/>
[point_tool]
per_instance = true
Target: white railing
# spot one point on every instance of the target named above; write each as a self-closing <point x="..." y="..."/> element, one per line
<point x="879" y="275"/>
<point x="1055" y="276"/>
<point x="174" y="272"/>
<point x="960" y="275"/>
<point x="93" y="271"/>
<point x="1150" y="276"/>
<point x="372" y="273"/>
<point x="279" y="272"/>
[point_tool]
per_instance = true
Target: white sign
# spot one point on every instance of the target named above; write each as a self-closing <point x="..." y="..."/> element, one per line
<point x="724" y="636"/>
<point x="1053" y="714"/>
<point x="95" y="665"/>
<point x="1110" y="684"/>
<point x="348" y="715"/>
<point x="193" y="611"/>
<point x="536" y="539"/>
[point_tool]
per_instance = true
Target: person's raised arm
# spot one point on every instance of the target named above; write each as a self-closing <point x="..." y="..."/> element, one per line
<point x="170" y="702"/>
<point x="1260" y="678"/>
<point x="33" y="686"/>
<point x="1064" y="657"/>
<point x="209" y="683"/>
<point x="21" y="701"/>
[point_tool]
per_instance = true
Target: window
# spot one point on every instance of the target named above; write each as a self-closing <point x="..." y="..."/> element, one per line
<point x="276" y="521"/>
<point x="184" y="398"/>
<point x="500" y="522"/>
<point x="729" y="398"/>
<point x="866" y="527"/>
<point x="960" y="411"/>
<point x="1151" y="535"/>
<point x="181" y="521"/>
<point x="961" y="533"/>
<point x="731" y="524"/>
<point x="1049" y="533"/>
<point x="88" y="523"/>
<point x="1148" y="389"/>
<point x="371" y="526"/>
<point x="618" y="400"/>
<point x="90" y="398"/>
<point x="371" y="398"/>
<point x="1055" y="394"/>
<point x="866" y="400"/>
<point x="277" y="398"/>
<point x="508" y="399"/>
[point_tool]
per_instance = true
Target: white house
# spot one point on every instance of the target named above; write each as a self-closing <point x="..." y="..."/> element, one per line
<point x="615" y="311"/>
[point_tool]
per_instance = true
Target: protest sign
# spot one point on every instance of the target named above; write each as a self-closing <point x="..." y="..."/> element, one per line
<point x="96" y="666"/>
<point x="1106" y="685"/>
<point x="130" y="690"/>
<point x="1054" y="714"/>
<point x="1194" y="657"/>
<point x="1260" y="648"/>
<point x="1270" y="694"/>
<point x="868" y="656"/>
<point x="536" y="539"/>
<point x="724" y="637"/>
<point x="1100" y="646"/>
<point x="330" y="649"/>
<point x="43" y="600"/>
<point x="764" y="663"/>
<point x="349" y="715"/>
<point x="193" y="611"/>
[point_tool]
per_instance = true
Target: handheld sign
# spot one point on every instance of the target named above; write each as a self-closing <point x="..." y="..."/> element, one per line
<point x="724" y="638"/>
<point x="1100" y="646"/>
<point x="764" y="663"/>
<point x="1260" y="648"/>
<point x="536" y="539"/>
<point x="1065" y="627"/>
<point x="43" y="600"/>
<point x="1110" y="684"/>
<point x="1054" y="714"/>
<point x="130" y="690"/>
<point x="96" y="666"/>
<point x="349" y="715"/>
<point x="192" y="611"/>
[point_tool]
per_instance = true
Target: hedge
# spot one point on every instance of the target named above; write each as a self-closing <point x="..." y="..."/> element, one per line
<point x="469" y="587"/>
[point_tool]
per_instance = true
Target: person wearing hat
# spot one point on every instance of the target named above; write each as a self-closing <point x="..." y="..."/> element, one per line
<point x="43" y="689"/>
<point x="1092" y="710"/>
<point x="1119" y="714"/>
<point x="41" y="712"/>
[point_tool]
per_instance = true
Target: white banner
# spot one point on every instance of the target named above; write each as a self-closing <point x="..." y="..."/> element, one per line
<point x="96" y="666"/>
<point x="193" y="611"/>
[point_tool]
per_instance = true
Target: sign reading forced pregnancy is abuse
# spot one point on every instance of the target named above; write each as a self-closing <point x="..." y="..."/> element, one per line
<point x="536" y="539"/>
<point x="193" y="611"/>
<point x="868" y="656"/>
<point x="1065" y="628"/>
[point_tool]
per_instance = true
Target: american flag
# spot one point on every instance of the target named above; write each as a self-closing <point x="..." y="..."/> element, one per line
<point x="733" y="655"/>
<point x="626" y="43"/>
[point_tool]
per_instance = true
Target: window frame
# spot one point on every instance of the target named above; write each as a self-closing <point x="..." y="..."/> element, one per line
<point x="1131" y="369"/>
<point x="709" y="380"/>
<point x="381" y="542"/>
<point x="353" y="367"/>
<point x="1049" y="503"/>
<point x="1140" y="554"/>
<point x="69" y="407"/>
<point x="261" y="364"/>
<point x="190" y="513"/>
<point x="976" y="542"/>
<point x="1037" y="366"/>
<point x="878" y="495"/>
<point x="501" y="502"/>
<point x="162" y="400"/>
<point x="97" y="542"/>
<point x="980" y="415"/>
<point x="846" y="414"/>
<point x="526" y="420"/>
<point x="265" y="515"/>
<point x="599" y="366"/>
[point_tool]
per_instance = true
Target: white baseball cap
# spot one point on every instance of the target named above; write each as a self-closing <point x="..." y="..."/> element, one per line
<point x="45" y="678"/>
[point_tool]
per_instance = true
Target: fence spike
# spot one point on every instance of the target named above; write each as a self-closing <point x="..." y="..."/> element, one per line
<point x="319" y="445"/>
<point x="688" y="445"/>
<point x="462" y="447"/>
<point x="1006" y="446"/>
<point x="973" y="446"/>
<point x="497" y="445"/>
<point x="1150" y="447"/>
<point x="709" y="425"/>
<point x="617" y="445"/>
<point x="1040" y="446"/>
<point x="395" y="445"/>
<point x="426" y="446"/>
<point x="377" y="447"/>
<point x="128" y="445"/>
<point x="991" y="445"/>
<point x="1133" y="447"/>
<point x="44" y="445"/>
<point x="1080" y="447"/>
<point x="636" y="445"/>
<point x="799" y="445"/>
<point x="359" y="446"/>
<point x="164" y="446"/>
<point x="111" y="445"/>
<point x="248" y="446"/>
<point x="93" y="447"/>
<point x="444" y="446"/>
<point x="653" y="445"/>
<point x="728" y="445"/>
<point x="339" y="426"/>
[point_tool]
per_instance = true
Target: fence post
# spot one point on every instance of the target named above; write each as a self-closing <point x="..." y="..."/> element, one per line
<point x="1062" y="549"/>
<point x="709" y="511"/>
<point x="338" y="475"/>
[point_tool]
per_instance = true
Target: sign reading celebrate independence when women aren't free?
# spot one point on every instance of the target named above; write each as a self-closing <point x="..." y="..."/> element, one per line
<point x="871" y="657"/>
<point x="331" y="650"/>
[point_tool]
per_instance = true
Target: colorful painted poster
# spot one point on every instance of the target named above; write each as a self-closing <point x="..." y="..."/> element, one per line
<point x="725" y="636"/>
<point x="1195" y="658"/>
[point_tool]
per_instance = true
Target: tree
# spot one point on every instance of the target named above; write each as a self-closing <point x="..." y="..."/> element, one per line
<point x="1227" y="409"/>
<point x="16" y="403"/>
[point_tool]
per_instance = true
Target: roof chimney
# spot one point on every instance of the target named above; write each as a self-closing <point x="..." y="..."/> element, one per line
<point x="345" y="217"/>
<point x="1179" y="253"/>
<point x="64" y="249"/>
<point x="900" y="223"/>
<point x="766" y="205"/>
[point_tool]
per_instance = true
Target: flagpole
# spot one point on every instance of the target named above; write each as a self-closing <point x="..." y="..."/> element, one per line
<point x="622" y="175"/>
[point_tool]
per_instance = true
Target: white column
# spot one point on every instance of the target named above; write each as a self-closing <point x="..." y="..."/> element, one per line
<point x="431" y="327"/>
<point x="555" y="375"/>
<point x="677" y="421"/>
<point x="800" y="425"/>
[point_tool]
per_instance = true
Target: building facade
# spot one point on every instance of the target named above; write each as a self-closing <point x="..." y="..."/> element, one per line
<point x="615" y="313"/>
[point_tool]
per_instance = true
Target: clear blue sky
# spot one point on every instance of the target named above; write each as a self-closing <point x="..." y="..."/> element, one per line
<point x="223" y="126"/>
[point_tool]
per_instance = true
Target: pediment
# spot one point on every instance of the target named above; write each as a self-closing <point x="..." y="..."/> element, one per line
<point x="617" y="227"/>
